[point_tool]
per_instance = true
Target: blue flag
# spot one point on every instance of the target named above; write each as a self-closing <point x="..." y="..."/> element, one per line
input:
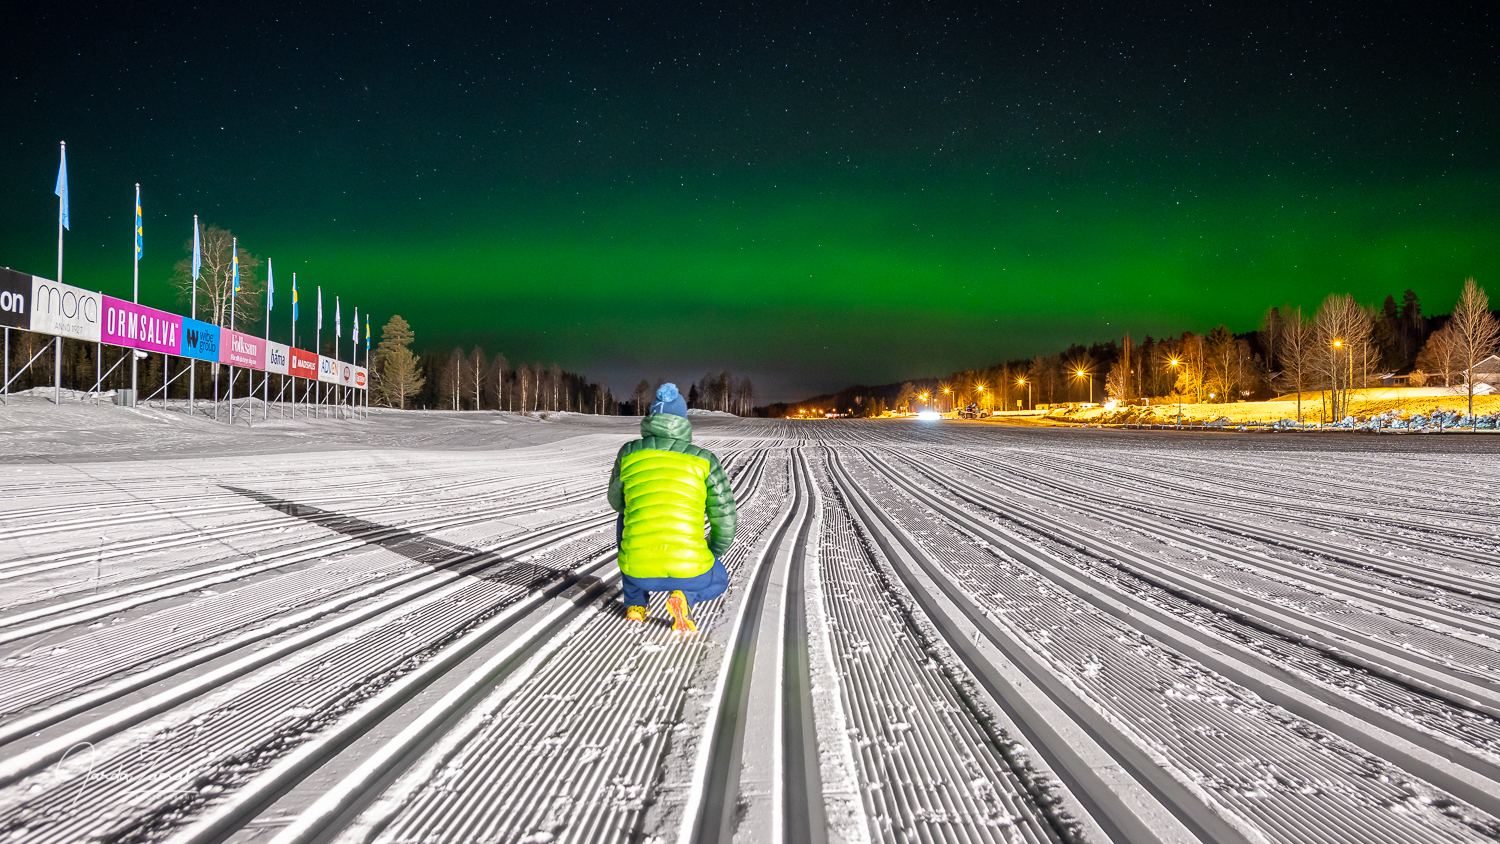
<point x="138" y="242"/>
<point x="270" y="287"/>
<point x="367" y="335"/>
<point x="197" y="251"/>
<point x="234" y="262"/>
<point x="62" y="189"/>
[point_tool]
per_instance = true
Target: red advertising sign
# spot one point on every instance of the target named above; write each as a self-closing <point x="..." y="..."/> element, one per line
<point x="361" y="377"/>
<point x="304" y="364"/>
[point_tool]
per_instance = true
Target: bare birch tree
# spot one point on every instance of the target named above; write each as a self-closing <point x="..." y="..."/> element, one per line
<point x="216" y="282"/>
<point x="1475" y="333"/>
<point x="1343" y="331"/>
<point x="1296" y="340"/>
<point x="474" y="369"/>
<point x="1440" y="354"/>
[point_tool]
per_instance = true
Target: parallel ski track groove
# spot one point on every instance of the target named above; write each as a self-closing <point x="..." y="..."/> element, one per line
<point x="1361" y="561"/>
<point x="964" y="782"/>
<point x="802" y="788"/>
<point x="242" y="733"/>
<point x="748" y="481"/>
<point x="1206" y="648"/>
<point x="1086" y="783"/>
<point x="1426" y="576"/>
<point x="1470" y="689"/>
<point x="46" y="618"/>
<point x="718" y="807"/>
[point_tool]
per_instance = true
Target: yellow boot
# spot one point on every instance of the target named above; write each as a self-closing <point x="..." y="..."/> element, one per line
<point x="677" y="605"/>
<point x="635" y="613"/>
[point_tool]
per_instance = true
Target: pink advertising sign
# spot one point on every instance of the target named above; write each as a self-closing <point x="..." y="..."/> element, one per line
<point x="139" y="327"/>
<point x="236" y="349"/>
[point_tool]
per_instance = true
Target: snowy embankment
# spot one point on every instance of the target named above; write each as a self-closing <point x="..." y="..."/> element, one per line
<point x="408" y="628"/>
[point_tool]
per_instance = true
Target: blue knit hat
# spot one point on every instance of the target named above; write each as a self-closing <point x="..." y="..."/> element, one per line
<point x="668" y="400"/>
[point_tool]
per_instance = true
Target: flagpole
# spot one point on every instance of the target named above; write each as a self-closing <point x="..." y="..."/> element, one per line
<point x="135" y="293"/>
<point x="234" y="256"/>
<point x="338" y="340"/>
<point x="294" y="345"/>
<point x="193" y="362"/>
<point x="318" y="350"/>
<point x="365" y="399"/>
<point x="266" y="383"/>
<point x="62" y="216"/>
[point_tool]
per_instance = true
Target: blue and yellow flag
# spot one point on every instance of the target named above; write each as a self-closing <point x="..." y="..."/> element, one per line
<point x="294" y="298"/>
<point x="367" y="333"/>
<point x="138" y="243"/>
<point x="234" y="262"/>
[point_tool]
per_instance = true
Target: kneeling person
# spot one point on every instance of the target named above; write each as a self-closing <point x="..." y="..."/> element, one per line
<point x="663" y="485"/>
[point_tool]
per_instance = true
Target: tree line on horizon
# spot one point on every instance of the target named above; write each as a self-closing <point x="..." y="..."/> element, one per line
<point x="459" y="380"/>
<point x="1342" y="346"/>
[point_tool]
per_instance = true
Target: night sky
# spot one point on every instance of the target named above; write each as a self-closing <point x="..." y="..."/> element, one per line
<point x="814" y="194"/>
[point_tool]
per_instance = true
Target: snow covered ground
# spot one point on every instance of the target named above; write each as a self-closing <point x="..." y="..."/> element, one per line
<point x="407" y="628"/>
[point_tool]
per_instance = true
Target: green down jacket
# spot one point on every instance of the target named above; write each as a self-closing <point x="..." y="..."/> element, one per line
<point x="664" y="484"/>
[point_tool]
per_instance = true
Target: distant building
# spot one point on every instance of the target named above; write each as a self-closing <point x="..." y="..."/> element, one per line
<point x="1486" y="371"/>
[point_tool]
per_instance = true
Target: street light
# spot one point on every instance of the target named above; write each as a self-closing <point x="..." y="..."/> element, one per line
<point x="1089" y="375"/>
<point x="1022" y="382"/>
<point x="1349" y="384"/>
<point x="1174" y="363"/>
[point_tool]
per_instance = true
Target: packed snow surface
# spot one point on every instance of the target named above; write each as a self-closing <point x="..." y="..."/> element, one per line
<point x="407" y="627"/>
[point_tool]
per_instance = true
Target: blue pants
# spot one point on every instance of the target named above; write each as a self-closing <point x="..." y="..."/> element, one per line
<point x="706" y="586"/>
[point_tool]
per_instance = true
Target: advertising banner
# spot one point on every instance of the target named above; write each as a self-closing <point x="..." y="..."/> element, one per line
<point x="328" y="370"/>
<point x="303" y="364"/>
<point x="346" y="374"/>
<point x="237" y="349"/>
<point x="361" y="378"/>
<point x="15" y="292"/>
<point x="139" y="327"/>
<point x="200" y="340"/>
<point x="278" y="358"/>
<point x="66" y="310"/>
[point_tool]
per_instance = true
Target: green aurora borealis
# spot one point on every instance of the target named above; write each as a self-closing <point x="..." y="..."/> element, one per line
<point x="809" y="268"/>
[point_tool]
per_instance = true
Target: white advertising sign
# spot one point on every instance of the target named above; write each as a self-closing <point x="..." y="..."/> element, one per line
<point x="361" y="378"/>
<point x="63" y="309"/>
<point x="278" y="357"/>
<point x="328" y="370"/>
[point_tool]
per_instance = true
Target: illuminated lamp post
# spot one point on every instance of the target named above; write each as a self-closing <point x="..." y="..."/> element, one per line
<point x="1348" y="384"/>
<point x="1089" y="375"/>
<point x="1174" y="363"/>
<point x="1022" y="382"/>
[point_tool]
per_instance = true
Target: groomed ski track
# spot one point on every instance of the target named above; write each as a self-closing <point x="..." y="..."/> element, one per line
<point x="934" y="632"/>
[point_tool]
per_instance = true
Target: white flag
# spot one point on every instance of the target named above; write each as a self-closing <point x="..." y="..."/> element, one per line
<point x="338" y="321"/>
